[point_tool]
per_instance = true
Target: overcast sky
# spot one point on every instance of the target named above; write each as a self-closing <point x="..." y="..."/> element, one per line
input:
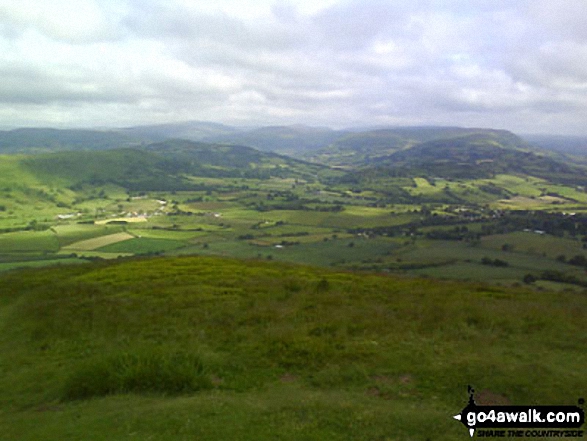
<point x="514" y="64"/>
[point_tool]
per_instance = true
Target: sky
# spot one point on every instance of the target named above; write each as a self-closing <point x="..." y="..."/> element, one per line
<point x="519" y="65"/>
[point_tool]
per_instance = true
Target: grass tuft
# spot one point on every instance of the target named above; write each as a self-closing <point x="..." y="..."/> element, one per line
<point x="139" y="372"/>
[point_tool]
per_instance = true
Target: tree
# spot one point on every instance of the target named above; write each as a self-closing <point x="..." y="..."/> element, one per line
<point x="578" y="260"/>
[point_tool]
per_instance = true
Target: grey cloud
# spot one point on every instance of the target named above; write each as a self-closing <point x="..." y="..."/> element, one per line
<point x="64" y="25"/>
<point x="353" y="62"/>
<point x="562" y="19"/>
<point x="29" y="84"/>
<point x="557" y="65"/>
<point x="168" y="22"/>
<point x="354" y="25"/>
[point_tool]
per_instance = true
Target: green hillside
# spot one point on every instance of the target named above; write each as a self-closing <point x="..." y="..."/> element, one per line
<point x="194" y="344"/>
<point x="191" y="130"/>
<point x="89" y="185"/>
<point x="290" y="140"/>
<point x="208" y="348"/>
<point x="164" y="166"/>
<point x="446" y="153"/>
<point x="480" y="156"/>
<point x="224" y="160"/>
<point x="372" y="146"/>
<point x="129" y="168"/>
<point x="359" y="148"/>
<point x="446" y="208"/>
<point x="571" y="145"/>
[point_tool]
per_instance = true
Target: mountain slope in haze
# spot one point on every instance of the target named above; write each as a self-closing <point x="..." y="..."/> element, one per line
<point x="575" y="146"/>
<point x="480" y="155"/>
<point x="285" y="139"/>
<point x="441" y="151"/>
<point x="39" y="140"/>
<point x="190" y="130"/>
<point x="290" y="140"/>
<point x="235" y="160"/>
<point x="357" y="149"/>
<point x="35" y="140"/>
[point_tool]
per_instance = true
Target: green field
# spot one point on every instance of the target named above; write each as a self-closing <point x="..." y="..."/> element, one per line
<point x="376" y="223"/>
<point x="142" y="245"/>
<point x="286" y="352"/>
<point x="357" y="236"/>
<point x="28" y="241"/>
<point x="38" y="263"/>
<point x="71" y="233"/>
<point x="165" y="234"/>
<point x="535" y="244"/>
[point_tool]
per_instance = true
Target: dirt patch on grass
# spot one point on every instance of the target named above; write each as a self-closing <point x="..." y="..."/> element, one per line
<point x="288" y="378"/>
<point x="489" y="398"/>
<point x="373" y="392"/>
<point x="406" y="379"/>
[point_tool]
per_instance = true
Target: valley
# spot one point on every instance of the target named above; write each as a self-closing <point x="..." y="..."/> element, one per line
<point x="190" y="289"/>
<point x="309" y="220"/>
<point x="435" y="209"/>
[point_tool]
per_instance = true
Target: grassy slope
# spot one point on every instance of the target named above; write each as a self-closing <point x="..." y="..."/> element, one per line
<point x="220" y="160"/>
<point x="129" y="168"/>
<point x="458" y="154"/>
<point x="24" y="195"/>
<point x="288" y="352"/>
<point x="162" y="166"/>
<point x="373" y="146"/>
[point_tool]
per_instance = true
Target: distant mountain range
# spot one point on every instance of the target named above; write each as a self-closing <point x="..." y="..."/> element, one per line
<point x="216" y="149"/>
<point x="38" y="140"/>
<point x="193" y="131"/>
<point x="372" y="146"/>
<point x="478" y="155"/>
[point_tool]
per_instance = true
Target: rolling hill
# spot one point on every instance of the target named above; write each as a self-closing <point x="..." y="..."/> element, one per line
<point x="207" y="159"/>
<point x="164" y="166"/>
<point x="216" y="349"/>
<point x="39" y="140"/>
<point x="367" y="147"/>
<point x="291" y="140"/>
<point x="129" y="168"/>
<point x="571" y="145"/>
<point x="446" y="153"/>
<point x="349" y="148"/>
<point x="207" y="347"/>
<point x="480" y="155"/>
<point x="190" y="130"/>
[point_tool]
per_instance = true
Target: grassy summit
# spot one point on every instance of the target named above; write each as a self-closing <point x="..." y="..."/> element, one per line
<point x="210" y="348"/>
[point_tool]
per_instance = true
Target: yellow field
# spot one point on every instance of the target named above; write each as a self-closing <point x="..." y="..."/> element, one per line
<point x="98" y="242"/>
<point x="122" y="219"/>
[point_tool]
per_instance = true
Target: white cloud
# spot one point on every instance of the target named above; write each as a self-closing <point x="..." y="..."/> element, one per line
<point x="518" y="65"/>
<point x="72" y="22"/>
